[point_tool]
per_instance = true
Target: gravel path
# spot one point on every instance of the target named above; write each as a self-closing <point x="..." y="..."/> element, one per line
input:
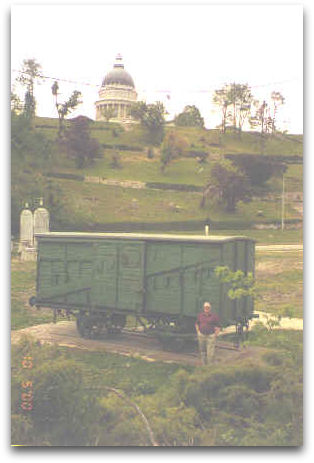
<point x="64" y="333"/>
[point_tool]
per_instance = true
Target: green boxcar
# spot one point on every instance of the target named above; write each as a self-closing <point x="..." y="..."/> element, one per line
<point x="158" y="277"/>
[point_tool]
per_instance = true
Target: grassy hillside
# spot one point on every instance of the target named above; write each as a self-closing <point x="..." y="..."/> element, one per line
<point x="80" y="204"/>
<point x="212" y="140"/>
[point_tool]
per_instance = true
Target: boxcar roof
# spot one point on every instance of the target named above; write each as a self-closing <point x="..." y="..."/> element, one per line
<point x="142" y="236"/>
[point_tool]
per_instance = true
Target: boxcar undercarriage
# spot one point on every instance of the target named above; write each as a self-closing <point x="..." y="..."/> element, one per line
<point x="173" y="332"/>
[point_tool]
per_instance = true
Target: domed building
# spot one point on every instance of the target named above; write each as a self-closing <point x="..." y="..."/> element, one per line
<point x="116" y="96"/>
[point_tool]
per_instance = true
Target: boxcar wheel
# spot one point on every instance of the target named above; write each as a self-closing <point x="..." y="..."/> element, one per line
<point x="116" y="323"/>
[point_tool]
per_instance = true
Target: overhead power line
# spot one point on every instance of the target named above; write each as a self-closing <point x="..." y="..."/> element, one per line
<point x="212" y="86"/>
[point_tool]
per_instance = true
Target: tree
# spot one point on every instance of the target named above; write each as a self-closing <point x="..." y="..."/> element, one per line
<point x="277" y="101"/>
<point x="221" y="99"/>
<point x="240" y="284"/>
<point x="240" y="99"/>
<point x="172" y="147"/>
<point x="190" y="117"/>
<point x="79" y="145"/>
<point x="31" y="151"/>
<point x="260" y="117"/>
<point x="266" y="113"/>
<point x="152" y="118"/>
<point x="16" y="104"/>
<point x="30" y="73"/>
<point x="258" y="169"/>
<point x="226" y="186"/>
<point x="65" y="108"/>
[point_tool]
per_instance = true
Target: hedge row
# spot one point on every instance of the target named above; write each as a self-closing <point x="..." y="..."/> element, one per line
<point x="191" y="225"/>
<point x="65" y="175"/>
<point x="46" y="126"/>
<point x="122" y="147"/>
<point x="292" y="159"/>
<point x="173" y="186"/>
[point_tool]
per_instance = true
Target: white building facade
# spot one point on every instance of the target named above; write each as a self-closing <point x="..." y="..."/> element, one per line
<point x="117" y="95"/>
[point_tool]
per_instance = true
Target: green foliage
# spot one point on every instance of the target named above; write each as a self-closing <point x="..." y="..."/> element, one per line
<point x="238" y="98"/>
<point x="26" y="142"/>
<point x="251" y="403"/>
<point x="115" y="162"/>
<point x="66" y="175"/>
<point x="222" y="100"/>
<point x="122" y="147"/>
<point x="78" y="211"/>
<point x="29" y="105"/>
<point x="79" y="145"/>
<point x="62" y="408"/>
<point x="31" y="148"/>
<point x="30" y="73"/>
<point x="152" y="118"/>
<point x="172" y="147"/>
<point x="190" y="117"/>
<point x="23" y="282"/>
<point x="258" y="169"/>
<point x="242" y="284"/>
<point x="272" y="321"/>
<point x="66" y="107"/>
<point x="226" y="186"/>
<point x="16" y="104"/>
<point x="172" y="186"/>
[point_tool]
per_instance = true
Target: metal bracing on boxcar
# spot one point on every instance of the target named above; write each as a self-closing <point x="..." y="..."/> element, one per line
<point x="164" y="278"/>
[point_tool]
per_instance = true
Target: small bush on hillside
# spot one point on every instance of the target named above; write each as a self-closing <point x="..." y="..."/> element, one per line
<point x="79" y="145"/>
<point x="115" y="160"/>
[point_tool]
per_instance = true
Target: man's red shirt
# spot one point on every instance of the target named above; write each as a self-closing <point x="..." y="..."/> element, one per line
<point x="207" y="322"/>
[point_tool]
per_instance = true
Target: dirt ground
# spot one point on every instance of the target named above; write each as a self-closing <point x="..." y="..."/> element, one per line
<point x="279" y="279"/>
<point x="64" y="333"/>
<point x="270" y="267"/>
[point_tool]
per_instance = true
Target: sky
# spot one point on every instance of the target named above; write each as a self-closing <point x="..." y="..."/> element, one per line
<point x="177" y="54"/>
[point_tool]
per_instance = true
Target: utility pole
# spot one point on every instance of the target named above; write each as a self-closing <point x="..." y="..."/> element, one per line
<point x="283" y="204"/>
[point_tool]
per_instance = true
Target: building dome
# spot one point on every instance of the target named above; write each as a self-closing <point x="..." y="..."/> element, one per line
<point x="118" y="75"/>
<point x="117" y="95"/>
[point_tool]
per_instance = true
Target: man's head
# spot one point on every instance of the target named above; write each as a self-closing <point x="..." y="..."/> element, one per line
<point x="207" y="307"/>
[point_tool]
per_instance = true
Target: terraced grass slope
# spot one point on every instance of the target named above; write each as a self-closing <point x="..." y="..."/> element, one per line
<point x="98" y="195"/>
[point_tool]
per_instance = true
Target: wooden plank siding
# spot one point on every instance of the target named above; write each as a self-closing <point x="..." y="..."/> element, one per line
<point x="142" y="275"/>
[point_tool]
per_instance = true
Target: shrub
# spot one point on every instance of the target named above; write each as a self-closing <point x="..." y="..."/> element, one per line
<point x="65" y="175"/>
<point x="115" y="160"/>
<point x="150" y="153"/>
<point x="258" y="168"/>
<point x="173" y="147"/>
